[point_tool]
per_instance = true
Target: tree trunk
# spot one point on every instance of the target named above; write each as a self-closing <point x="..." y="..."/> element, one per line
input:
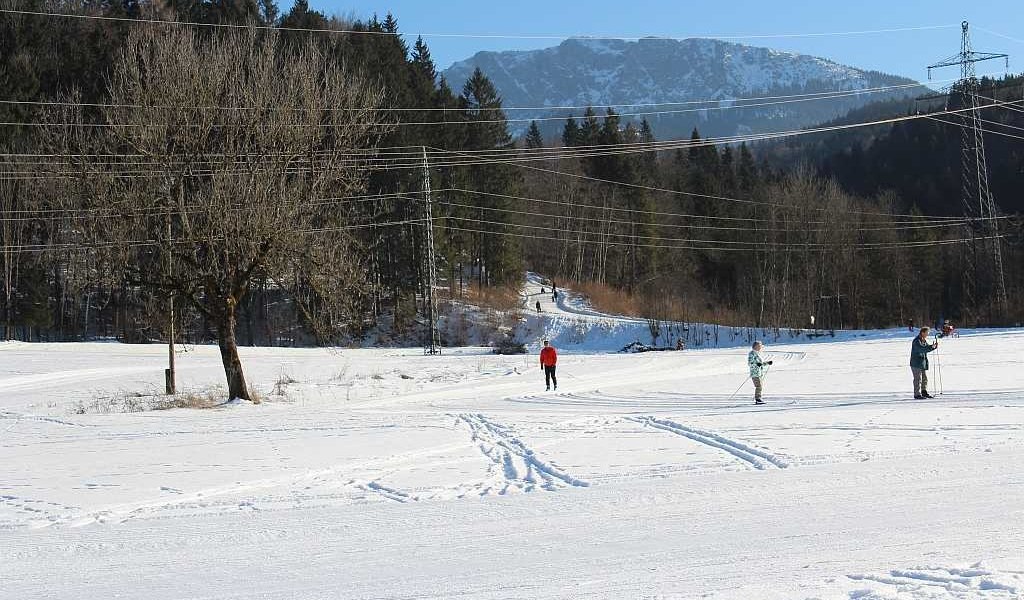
<point x="9" y="322"/>
<point x="229" y="353"/>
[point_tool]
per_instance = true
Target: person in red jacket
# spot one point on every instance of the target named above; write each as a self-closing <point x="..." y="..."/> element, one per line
<point x="548" y="359"/>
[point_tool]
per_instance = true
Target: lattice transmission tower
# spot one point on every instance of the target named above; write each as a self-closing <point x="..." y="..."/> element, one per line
<point x="432" y="343"/>
<point x="984" y="285"/>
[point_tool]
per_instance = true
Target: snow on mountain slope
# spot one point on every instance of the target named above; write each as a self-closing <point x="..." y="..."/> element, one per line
<point x="600" y="72"/>
<point x="384" y="473"/>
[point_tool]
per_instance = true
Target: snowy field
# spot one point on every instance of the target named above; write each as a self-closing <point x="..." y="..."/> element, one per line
<point x="389" y="474"/>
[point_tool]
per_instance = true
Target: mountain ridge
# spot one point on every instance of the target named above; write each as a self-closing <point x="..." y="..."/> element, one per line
<point x="658" y="71"/>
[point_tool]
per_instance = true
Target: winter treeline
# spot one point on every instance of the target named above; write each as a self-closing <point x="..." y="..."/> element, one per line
<point x="268" y="185"/>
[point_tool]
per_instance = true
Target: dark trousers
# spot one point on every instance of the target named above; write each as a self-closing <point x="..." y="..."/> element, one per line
<point x="549" y="376"/>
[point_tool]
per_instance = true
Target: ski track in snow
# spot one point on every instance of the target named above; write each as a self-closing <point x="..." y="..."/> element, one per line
<point x="31" y="509"/>
<point x="359" y="497"/>
<point x="37" y="381"/>
<point x="42" y="419"/>
<point x="513" y="464"/>
<point x="298" y="488"/>
<point x="756" y="458"/>
<point x="932" y="583"/>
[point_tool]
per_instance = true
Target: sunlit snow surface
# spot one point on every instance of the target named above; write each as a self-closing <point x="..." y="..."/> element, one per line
<point x="389" y="474"/>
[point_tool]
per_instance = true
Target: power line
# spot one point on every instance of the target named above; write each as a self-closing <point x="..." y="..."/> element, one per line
<point x="158" y="212"/>
<point x="467" y="158"/>
<point x="723" y="104"/>
<point x="797" y="227"/>
<point x="409" y="154"/>
<point x="997" y="34"/>
<point x="183" y="242"/>
<point x="475" y="157"/>
<point x="983" y="129"/>
<point x="791" y="248"/>
<point x="653" y="213"/>
<point x="736" y="105"/>
<point x="728" y="243"/>
<point x="870" y="90"/>
<point x="471" y="35"/>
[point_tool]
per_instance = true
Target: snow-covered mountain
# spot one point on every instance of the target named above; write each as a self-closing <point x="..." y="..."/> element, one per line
<point x="603" y="72"/>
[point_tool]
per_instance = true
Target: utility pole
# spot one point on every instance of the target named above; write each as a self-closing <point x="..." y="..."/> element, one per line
<point x="169" y="376"/>
<point x="433" y="343"/>
<point x="984" y="281"/>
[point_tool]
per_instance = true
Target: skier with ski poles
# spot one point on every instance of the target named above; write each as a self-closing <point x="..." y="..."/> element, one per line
<point x="758" y="369"/>
<point x="919" y="350"/>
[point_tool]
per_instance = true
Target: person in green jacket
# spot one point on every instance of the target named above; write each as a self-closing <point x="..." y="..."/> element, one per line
<point x="919" y="350"/>
<point x="758" y="369"/>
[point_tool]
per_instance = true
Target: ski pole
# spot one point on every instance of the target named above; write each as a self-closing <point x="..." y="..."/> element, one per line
<point x="938" y="364"/>
<point x="739" y="388"/>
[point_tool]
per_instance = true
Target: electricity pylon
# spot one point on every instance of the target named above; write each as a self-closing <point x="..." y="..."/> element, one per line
<point x="984" y="283"/>
<point x="432" y="345"/>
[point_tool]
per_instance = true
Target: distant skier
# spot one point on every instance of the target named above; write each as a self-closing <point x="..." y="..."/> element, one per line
<point x="554" y="296"/>
<point x="548" y="360"/>
<point x="538" y="306"/>
<point x="757" y="369"/>
<point x="948" y="330"/>
<point x="919" y="350"/>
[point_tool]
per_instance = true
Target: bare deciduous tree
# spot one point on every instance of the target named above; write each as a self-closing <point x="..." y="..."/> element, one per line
<point x="226" y="159"/>
<point x="12" y="229"/>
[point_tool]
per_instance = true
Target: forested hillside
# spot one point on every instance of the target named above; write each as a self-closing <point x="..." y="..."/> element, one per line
<point x="278" y="197"/>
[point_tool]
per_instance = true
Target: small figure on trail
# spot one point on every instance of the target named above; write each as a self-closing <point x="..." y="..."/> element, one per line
<point x="538" y="306"/>
<point x="948" y="329"/>
<point x="757" y="369"/>
<point x="548" y="360"/>
<point x="542" y="291"/>
<point x="680" y="344"/>
<point x="554" y="296"/>
<point x="919" y="350"/>
<point x="910" y="324"/>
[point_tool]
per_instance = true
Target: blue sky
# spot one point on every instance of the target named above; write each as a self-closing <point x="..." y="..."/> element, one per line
<point x="904" y="53"/>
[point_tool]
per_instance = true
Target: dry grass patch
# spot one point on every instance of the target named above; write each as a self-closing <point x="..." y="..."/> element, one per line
<point x="131" y="402"/>
<point x="504" y="298"/>
<point x="610" y="300"/>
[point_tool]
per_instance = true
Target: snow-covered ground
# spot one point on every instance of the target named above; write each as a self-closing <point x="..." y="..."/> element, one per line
<point x="389" y="474"/>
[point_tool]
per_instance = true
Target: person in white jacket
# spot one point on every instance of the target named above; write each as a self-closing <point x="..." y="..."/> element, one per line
<point x="757" y="369"/>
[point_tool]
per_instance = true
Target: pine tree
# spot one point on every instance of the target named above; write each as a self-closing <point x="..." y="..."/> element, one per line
<point x="648" y="160"/>
<point x="301" y="17"/>
<point x="269" y="12"/>
<point x="590" y="130"/>
<point x="422" y="87"/>
<point x="570" y="133"/>
<point x="421" y="62"/>
<point x="704" y="170"/>
<point x="746" y="171"/>
<point x="534" y="139"/>
<point x="497" y="252"/>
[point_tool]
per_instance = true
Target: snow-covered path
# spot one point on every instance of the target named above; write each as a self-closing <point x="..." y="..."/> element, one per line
<point x="388" y="474"/>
